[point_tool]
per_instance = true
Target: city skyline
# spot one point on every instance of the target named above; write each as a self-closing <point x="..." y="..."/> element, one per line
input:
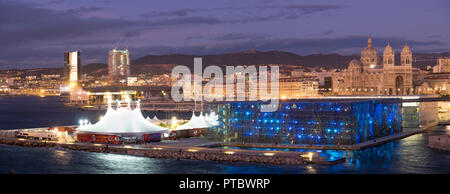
<point x="35" y="33"/>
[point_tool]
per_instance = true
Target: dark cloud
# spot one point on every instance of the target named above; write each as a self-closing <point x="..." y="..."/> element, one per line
<point x="238" y="36"/>
<point x="328" y="32"/>
<point x="287" y="12"/>
<point x="83" y="9"/>
<point x="35" y="36"/>
<point x="171" y="13"/>
<point x="32" y="35"/>
<point x="25" y="22"/>
<point x="132" y="34"/>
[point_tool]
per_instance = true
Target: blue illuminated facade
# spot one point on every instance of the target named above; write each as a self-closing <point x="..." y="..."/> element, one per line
<point x="330" y="122"/>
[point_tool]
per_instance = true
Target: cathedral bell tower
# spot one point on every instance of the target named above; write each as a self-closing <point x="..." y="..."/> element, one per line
<point x="406" y="56"/>
<point x="388" y="56"/>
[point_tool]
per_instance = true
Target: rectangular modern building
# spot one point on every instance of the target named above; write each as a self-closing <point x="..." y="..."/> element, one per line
<point x="308" y="121"/>
<point x="72" y="66"/>
<point x="118" y="66"/>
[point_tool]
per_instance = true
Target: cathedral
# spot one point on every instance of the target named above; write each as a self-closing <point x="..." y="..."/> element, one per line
<point x="372" y="76"/>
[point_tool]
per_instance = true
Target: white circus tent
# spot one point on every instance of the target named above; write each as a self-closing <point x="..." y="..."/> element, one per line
<point x="122" y="121"/>
<point x="198" y="122"/>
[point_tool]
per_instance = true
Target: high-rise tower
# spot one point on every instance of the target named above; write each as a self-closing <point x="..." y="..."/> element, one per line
<point x="72" y="67"/>
<point x="118" y="66"/>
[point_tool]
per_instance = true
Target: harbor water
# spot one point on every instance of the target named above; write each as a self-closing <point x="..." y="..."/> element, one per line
<point x="408" y="155"/>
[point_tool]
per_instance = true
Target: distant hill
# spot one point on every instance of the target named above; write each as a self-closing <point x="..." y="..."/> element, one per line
<point x="249" y="58"/>
<point x="157" y="64"/>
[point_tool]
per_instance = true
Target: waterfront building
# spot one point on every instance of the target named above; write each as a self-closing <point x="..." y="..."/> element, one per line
<point x="72" y="67"/>
<point x="78" y="96"/>
<point x="118" y="66"/>
<point x="4" y="89"/>
<point x="324" y="121"/>
<point x="100" y="95"/>
<point x="132" y="81"/>
<point x="288" y="88"/>
<point x="442" y="66"/>
<point x="371" y="75"/>
<point x="293" y="88"/>
<point x="314" y="121"/>
<point x="120" y="125"/>
<point x="434" y="83"/>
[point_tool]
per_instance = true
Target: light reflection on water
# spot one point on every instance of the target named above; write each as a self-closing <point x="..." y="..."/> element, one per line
<point x="409" y="155"/>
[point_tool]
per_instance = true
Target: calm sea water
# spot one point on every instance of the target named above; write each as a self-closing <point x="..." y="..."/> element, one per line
<point x="409" y="155"/>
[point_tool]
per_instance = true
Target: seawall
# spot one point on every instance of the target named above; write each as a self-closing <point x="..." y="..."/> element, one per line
<point x="441" y="142"/>
<point x="175" y="152"/>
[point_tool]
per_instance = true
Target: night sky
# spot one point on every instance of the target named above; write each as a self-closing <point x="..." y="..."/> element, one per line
<point x="35" y="33"/>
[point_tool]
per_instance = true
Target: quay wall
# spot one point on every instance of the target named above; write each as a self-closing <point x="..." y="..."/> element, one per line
<point x="439" y="142"/>
<point x="167" y="153"/>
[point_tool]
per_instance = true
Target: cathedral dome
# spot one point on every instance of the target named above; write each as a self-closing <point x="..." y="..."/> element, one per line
<point x="370" y="52"/>
<point x="354" y="64"/>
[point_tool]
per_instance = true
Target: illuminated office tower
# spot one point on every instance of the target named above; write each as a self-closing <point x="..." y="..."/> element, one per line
<point x="72" y="67"/>
<point x="118" y="66"/>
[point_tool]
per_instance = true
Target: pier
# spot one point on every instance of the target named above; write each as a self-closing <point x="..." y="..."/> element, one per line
<point x="198" y="148"/>
<point x="192" y="148"/>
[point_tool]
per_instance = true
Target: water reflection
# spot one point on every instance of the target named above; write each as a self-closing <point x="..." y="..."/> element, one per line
<point x="62" y="156"/>
<point x="310" y="169"/>
<point x="121" y="164"/>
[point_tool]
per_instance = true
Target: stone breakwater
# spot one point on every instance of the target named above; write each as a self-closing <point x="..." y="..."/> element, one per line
<point x="441" y="142"/>
<point x="167" y="152"/>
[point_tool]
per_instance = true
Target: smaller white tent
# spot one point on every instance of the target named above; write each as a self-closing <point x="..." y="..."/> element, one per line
<point x="212" y="119"/>
<point x="198" y="122"/>
<point x="155" y="119"/>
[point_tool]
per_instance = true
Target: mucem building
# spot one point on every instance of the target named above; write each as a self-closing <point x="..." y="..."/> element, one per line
<point x="309" y="121"/>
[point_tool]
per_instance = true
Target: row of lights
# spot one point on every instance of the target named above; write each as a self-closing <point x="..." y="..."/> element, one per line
<point x="84" y="122"/>
<point x="398" y="89"/>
